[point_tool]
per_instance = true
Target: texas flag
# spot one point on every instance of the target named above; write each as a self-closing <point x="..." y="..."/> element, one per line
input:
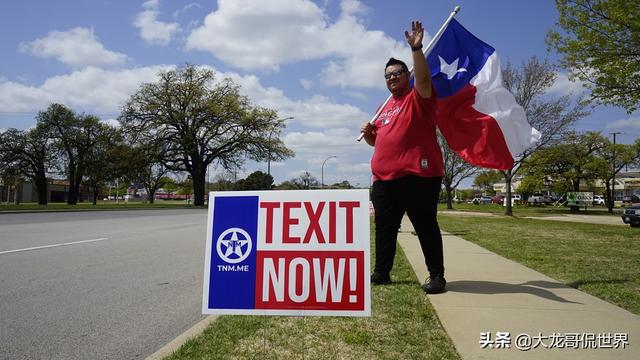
<point x="478" y="117"/>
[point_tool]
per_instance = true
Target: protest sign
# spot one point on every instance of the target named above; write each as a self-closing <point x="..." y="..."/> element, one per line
<point x="288" y="253"/>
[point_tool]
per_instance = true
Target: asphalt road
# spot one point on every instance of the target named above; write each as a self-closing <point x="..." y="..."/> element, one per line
<point x="125" y="283"/>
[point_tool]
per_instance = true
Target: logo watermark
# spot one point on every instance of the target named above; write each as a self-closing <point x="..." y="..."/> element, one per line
<point x="526" y="342"/>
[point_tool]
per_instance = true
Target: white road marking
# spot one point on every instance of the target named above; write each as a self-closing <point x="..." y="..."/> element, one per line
<point x="52" y="246"/>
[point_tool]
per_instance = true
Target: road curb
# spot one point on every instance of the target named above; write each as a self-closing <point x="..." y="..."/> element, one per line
<point x="176" y="343"/>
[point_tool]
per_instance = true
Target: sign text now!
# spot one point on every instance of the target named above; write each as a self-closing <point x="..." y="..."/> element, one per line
<point x="288" y="253"/>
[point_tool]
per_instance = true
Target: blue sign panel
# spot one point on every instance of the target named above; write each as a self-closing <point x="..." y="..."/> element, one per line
<point x="233" y="253"/>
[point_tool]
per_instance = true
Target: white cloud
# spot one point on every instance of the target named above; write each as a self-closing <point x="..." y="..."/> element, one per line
<point x="314" y="147"/>
<point x="112" y="122"/>
<point x="632" y="124"/>
<point x="152" y="30"/>
<point x="151" y="4"/>
<point x="106" y="90"/>
<point x="322" y="127"/>
<point x="77" y="47"/>
<point x="564" y="86"/>
<point x="295" y="30"/>
<point x="316" y="111"/>
<point x="90" y="88"/>
<point x="306" y="83"/>
<point x="186" y="8"/>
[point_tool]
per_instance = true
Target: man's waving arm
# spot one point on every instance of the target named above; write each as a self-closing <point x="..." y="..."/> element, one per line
<point x="422" y="76"/>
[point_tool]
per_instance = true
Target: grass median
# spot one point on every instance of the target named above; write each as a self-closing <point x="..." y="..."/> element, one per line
<point x="602" y="260"/>
<point x="100" y="206"/>
<point x="530" y="210"/>
<point x="403" y="325"/>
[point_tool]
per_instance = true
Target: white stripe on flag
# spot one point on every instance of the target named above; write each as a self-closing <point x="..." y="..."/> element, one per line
<point x="493" y="99"/>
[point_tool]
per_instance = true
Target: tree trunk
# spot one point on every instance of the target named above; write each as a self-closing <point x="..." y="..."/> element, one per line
<point x="96" y="191"/>
<point x="198" y="177"/>
<point x="41" y="187"/>
<point x="449" y="198"/>
<point x="576" y="185"/>
<point x="16" y="194"/>
<point x="72" y="197"/>
<point x="608" y="196"/>
<point x="151" y="194"/>
<point x="508" y="210"/>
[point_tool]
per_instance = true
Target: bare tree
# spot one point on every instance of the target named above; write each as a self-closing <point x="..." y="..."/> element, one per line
<point x="552" y="116"/>
<point x="455" y="170"/>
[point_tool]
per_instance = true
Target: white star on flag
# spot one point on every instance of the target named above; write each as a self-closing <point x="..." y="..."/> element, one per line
<point x="450" y="69"/>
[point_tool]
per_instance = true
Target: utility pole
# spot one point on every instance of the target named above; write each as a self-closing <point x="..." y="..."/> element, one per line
<point x="613" y="179"/>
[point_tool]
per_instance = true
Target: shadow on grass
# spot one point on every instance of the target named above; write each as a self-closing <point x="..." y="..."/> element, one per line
<point x="535" y="288"/>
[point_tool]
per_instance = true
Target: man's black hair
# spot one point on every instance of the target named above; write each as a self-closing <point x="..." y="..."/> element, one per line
<point x="393" y="61"/>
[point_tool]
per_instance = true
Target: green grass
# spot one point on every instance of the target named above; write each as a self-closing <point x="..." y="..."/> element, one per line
<point x="88" y="206"/>
<point x="403" y="325"/>
<point x="602" y="260"/>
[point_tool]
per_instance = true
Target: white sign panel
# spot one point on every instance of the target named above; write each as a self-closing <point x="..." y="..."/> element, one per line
<point x="288" y="253"/>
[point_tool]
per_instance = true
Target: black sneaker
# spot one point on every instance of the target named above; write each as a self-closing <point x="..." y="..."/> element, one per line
<point x="377" y="279"/>
<point x="434" y="285"/>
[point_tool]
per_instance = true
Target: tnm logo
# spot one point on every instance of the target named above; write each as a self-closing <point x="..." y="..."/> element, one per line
<point x="233" y="245"/>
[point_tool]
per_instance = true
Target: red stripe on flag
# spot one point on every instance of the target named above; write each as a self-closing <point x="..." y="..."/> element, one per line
<point x="475" y="136"/>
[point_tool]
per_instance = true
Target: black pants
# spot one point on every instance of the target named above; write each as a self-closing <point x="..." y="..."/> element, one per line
<point x="418" y="197"/>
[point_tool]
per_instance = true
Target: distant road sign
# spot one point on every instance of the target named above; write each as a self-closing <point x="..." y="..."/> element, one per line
<point x="580" y="198"/>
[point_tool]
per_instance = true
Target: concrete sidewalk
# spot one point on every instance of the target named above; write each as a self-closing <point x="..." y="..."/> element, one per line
<point x="489" y="294"/>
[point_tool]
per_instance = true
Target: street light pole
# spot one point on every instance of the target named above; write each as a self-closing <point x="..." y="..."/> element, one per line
<point x="269" y="152"/>
<point x="613" y="180"/>
<point x="322" y="170"/>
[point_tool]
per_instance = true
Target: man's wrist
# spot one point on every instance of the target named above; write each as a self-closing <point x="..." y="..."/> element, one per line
<point x="416" y="48"/>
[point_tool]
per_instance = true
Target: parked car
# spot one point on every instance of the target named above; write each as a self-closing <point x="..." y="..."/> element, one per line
<point x="631" y="199"/>
<point x="482" y="200"/>
<point x="598" y="200"/>
<point x="631" y="216"/>
<point x="537" y="199"/>
<point x="498" y="199"/>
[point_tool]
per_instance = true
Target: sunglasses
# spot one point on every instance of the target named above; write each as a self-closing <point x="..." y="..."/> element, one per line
<point x="393" y="74"/>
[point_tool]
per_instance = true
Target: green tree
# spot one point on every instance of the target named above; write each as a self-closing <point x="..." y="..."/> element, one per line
<point x="74" y="136"/>
<point x="345" y="184"/>
<point x="202" y="121"/>
<point x="306" y="181"/>
<point x="552" y="116"/>
<point x="612" y="159"/>
<point x="600" y="45"/>
<point x="288" y="185"/>
<point x="169" y="184"/>
<point x="568" y="164"/>
<point x="101" y="159"/>
<point x="257" y="180"/>
<point x="144" y="165"/>
<point x="30" y="154"/>
<point x="486" y="179"/>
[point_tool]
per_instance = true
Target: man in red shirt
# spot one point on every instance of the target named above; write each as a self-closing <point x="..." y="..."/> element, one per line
<point x="407" y="165"/>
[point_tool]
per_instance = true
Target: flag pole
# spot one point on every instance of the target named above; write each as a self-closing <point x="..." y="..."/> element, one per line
<point x="426" y="52"/>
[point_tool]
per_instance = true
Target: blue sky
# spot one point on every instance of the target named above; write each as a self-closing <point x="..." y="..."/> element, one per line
<point x="320" y="62"/>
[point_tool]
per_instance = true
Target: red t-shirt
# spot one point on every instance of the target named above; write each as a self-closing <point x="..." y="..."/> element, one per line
<point x="406" y="142"/>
